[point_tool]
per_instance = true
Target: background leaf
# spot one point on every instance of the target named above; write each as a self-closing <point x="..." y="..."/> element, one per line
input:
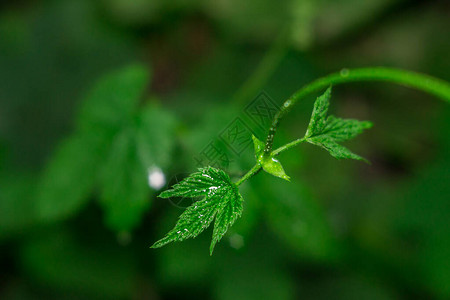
<point x="140" y="149"/>
<point x="66" y="184"/>
<point x="125" y="191"/>
<point x="114" y="100"/>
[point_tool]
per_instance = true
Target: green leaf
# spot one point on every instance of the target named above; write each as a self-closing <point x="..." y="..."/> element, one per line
<point x="258" y="145"/>
<point x="319" y="114"/>
<point x="114" y="99"/>
<point x="69" y="178"/>
<point x="137" y="150"/>
<point x="125" y="193"/>
<point x="326" y="131"/>
<point x="221" y="201"/>
<point x="344" y="129"/>
<point x="274" y="167"/>
<point x="268" y="162"/>
<point x="73" y="171"/>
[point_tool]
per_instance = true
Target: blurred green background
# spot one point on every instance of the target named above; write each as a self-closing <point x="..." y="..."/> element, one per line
<point x="96" y="96"/>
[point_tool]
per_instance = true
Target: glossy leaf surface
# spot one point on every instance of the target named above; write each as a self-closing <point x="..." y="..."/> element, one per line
<point x="221" y="201"/>
<point x="268" y="162"/>
<point x="326" y="132"/>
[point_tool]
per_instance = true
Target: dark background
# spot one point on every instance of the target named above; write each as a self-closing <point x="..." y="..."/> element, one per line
<point x="69" y="228"/>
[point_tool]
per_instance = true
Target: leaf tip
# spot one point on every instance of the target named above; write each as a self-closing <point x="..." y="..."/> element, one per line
<point x="155" y="246"/>
<point x="366" y="161"/>
<point x="285" y="177"/>
<point x="367" y="124"/>
<point x="258" y="145"/>
<point x="211" y="248"/>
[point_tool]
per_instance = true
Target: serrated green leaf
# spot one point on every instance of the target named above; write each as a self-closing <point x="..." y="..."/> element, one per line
<point x="344" y="129"/>
<point x="221" y="200"/>
<point x="335" y="150"/>
<point x="269" y="163"/>
<point x="326" y="131"/>
<point x="226" y="216"/>
<point x="319" y="114"/>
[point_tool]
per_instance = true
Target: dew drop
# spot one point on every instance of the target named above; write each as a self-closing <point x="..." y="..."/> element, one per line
<point x="156" y="178"/>
<point x="344" y="72"/>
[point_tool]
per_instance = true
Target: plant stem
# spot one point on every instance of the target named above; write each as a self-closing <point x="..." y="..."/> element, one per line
<point x="434" y="86"/>
<point x="253" y="171"/>
<point x="431" y="85"/>
<point x="287" y="146"/>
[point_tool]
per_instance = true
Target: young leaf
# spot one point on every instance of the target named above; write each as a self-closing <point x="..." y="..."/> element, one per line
<point x="258" y="145"/>
<point x="269" y="163"/>
<point x="326" y="132"/>
<point x="221" y="200"/>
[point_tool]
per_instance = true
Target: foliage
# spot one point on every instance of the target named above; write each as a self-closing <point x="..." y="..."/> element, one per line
<point x="76" y="207"/>
<point x="326" y="132"/>
<point x="124" y="142"/>
<point x="268" y="162"/>
<point x="221" y="202"/>
<point x="221" y="199"/>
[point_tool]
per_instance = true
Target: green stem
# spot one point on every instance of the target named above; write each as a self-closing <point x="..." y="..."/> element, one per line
<point x="253" y="171"/>
<point x="287" y="146"/>
<point x="431" y="85"/>
<point x="434" y="86"/>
